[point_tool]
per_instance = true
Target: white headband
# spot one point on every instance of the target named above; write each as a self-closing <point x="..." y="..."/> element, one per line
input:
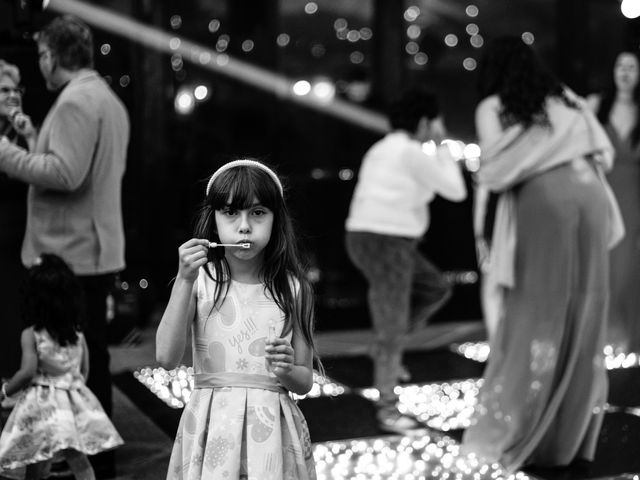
<point x="245" y="163"/>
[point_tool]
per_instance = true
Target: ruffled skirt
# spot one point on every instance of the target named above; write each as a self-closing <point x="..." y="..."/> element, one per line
<point x="47" y="420"/>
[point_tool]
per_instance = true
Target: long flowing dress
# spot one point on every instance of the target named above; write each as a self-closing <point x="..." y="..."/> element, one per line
<point x="545" y="385"/>
<point x="624" y="310"/>
<point x="55" y="413"/>
<point x="545" y="372"/>
<point x="239" y="421"/>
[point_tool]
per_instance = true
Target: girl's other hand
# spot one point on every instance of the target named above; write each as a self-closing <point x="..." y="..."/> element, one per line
<point x="192" y="255"/>
<point x="279" y="354"/>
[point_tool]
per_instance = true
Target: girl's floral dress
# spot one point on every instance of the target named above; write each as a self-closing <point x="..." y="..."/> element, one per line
<point x="56" y="412"/>
<point x="240" y="423"/>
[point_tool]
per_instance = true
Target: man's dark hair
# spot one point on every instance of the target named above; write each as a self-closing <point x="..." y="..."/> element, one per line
<point x="415" y="103"/>
<point x="70" y="40"/>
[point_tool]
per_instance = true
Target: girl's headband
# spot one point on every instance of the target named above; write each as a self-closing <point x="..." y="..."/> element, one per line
<point x="245" y="163"/>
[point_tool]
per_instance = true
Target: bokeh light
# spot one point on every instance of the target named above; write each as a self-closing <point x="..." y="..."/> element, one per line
<point x="175" y="21"/>
<point x="283" y="40"/>
<point x="411" y="13"/>
<point x="472" y="10"/>
<point x="184" y="102"/>
<point x="469" y="64"/>
<point x="301" y="87"/>
<point x="214" y="25"/>
<point x="451" y="40"/>
<point x="201" y="92"/>
<point x="476" y="41"/>
<point x="310" y="8"/>
<point x="630" y="8"/>
<point x="528" y="38"/>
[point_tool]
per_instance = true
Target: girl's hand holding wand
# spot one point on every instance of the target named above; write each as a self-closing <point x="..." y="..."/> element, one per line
<point x="171" y="337"/>
<point x="192" y="255"/>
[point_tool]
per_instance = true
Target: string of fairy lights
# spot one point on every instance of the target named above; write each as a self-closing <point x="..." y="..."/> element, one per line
<point x="419" y="455"/>
<point x="322" y="87"/>
<point x="614" y="357"/>
<point x="174" y="387"/>
<point x="445" y="406"/>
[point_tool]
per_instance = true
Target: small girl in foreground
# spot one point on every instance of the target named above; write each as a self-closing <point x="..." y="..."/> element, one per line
<point x="56" y="415"/>
<point x="250" y="309"/>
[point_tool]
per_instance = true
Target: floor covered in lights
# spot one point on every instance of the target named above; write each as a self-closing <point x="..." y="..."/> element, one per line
<point x="446" y="363"/>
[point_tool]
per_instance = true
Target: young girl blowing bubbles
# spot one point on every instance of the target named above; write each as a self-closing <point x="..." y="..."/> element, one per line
<point x="56" y="415"/>
<point x="250" y="309"/>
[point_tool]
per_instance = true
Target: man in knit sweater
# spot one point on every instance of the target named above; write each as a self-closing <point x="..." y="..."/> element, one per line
<point x="388" y="215"/>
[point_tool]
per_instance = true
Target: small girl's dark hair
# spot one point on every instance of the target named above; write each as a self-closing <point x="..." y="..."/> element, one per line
<point x="284" y="270"/>
<point x="53" y="299"/>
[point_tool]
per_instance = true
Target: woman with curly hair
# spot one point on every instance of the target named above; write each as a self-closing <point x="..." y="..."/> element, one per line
<point x="617" y="109"/>
<point x="543" y="152"/>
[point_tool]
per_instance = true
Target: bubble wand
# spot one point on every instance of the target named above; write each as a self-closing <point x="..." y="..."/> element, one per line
<point x="237" y="245"/>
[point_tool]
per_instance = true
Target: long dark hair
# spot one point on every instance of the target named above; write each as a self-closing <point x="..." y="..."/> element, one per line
<point x="609" y="95"/>
<point x="511" y="70"/>
<point x="53" y="299"/>
<point x="284" y="272"/>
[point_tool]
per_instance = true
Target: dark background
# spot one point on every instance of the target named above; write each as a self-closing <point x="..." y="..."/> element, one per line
<point x="171" y="154"/>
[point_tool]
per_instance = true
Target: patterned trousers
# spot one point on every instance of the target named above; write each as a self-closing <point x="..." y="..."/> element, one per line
<point x="404" y="291"/>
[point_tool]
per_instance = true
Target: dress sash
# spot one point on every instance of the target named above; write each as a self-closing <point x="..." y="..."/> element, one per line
<point x="243" y="380"/>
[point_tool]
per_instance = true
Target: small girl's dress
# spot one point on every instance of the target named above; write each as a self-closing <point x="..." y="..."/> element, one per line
<point x="240" y="423"/>
<point x="56" y="412"/>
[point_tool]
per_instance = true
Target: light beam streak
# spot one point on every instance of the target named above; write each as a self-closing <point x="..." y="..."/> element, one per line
<point x="257" y="77"/>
